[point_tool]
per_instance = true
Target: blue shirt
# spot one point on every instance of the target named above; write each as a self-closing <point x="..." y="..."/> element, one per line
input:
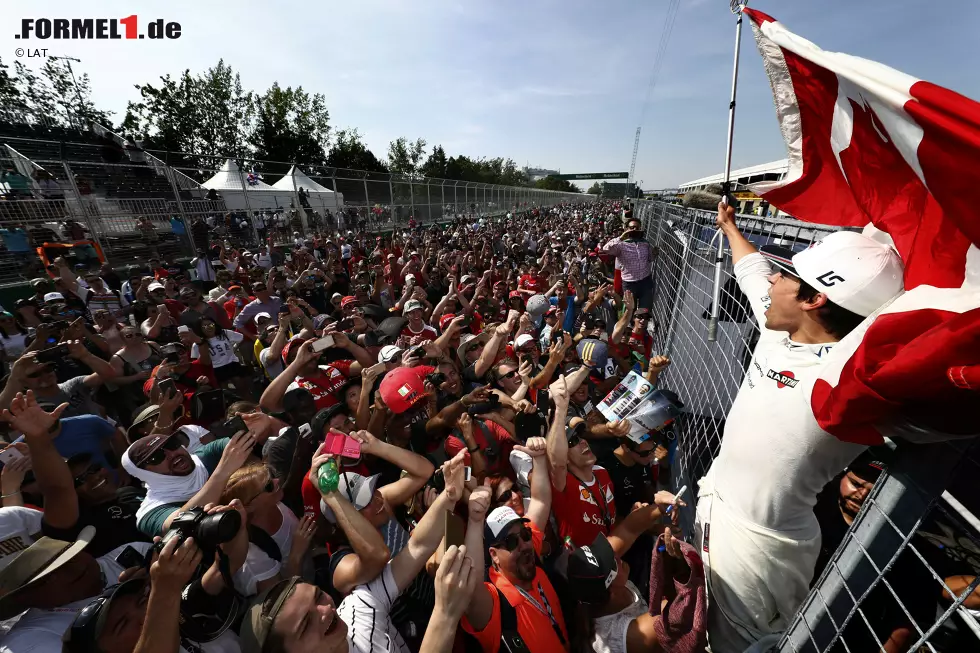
<point x="84" y="434"/>
<point x="569" y="325"/>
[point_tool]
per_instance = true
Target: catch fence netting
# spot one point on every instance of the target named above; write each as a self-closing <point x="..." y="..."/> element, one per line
<point x="905" y="569"/>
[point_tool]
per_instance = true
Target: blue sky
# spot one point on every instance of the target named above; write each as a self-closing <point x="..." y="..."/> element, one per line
<point x="553" y="84"/>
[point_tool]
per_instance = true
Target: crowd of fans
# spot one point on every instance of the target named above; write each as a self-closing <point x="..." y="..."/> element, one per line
<point x="359" y="442"/>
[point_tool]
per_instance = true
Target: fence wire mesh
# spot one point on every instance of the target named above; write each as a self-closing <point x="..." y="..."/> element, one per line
<point x="61" y="185"/>
<point x="903" y="575"/>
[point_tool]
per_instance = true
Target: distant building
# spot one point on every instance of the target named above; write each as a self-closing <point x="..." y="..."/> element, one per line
<point x="748" y="202"/>
<point x="534" y="174"/>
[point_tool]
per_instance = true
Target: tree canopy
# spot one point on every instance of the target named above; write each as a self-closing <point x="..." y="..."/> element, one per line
<point x="209" y="115"/>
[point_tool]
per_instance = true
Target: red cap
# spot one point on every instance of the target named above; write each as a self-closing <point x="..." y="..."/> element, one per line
<point x="402" y="388"/>
<point x="515" y="293"/>
<point x="445" y="320"/>
<point x="499" y="284"/>
<point x="292" y="345"/>
<point x="347" y="301"/>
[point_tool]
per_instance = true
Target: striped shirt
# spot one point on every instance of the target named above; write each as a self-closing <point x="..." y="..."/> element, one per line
<point x="365" y="611"/>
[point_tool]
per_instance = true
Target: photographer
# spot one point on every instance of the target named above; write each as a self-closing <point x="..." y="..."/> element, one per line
<point x="29" y="373"/>
<point x="176" y="480"/>
<point x="184" y="609"/>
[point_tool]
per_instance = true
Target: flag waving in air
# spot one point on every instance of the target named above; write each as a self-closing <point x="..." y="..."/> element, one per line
<point x="869" y="145"/>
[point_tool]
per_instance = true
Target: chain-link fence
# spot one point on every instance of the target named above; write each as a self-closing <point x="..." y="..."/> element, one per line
<point x="902" y="577"/>
<point x="62" y="186"/>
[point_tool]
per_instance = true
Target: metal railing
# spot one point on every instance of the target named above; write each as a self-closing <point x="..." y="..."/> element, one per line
<point x="918" y="522"/>
<point x="135" y="203"/>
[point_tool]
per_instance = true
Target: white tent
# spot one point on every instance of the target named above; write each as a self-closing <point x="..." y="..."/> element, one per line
<point x="232" y="184"/>
<point x="319" y="197"/>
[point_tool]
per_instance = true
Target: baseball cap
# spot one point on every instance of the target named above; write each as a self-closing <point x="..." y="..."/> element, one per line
<point x="591" y="570"/>
<point x="498" y="521"/>
<point x="411" y="305"/>
<point x="854" y="271"/>
<point x="551" y="312"/>
<point x="233" y="288"/>
<point x="255" y="627"/>
<point x="523" y="340"/>
<point x="537" y="305"/>
<point x="409" y="277"/>
<point x="143" y="448"/>
<point x="291" y="346"/>
<point x="467" y="341"/>
<point x="145" y="415"/>
<point x="31" y="564"/>
<point x="261" y="315"/>
<point x="354" y="487"/>
<point x="83" y="635"/>
<point x="156" y="285"/>
<point x="347" y="301"/>
<point x="56" y="297"/>
<point x="445" y="320"/>
<point x="388" y="353"/>
<point x="392" y="326"/>
<point x="402" y="388"/>
<point x="593" y="352"/>
<point x="515" y="293"/>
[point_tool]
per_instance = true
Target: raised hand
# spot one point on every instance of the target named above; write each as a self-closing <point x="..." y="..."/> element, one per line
<point x="237" y="451"/>
<point x="726" y="215"/>
<point x="534" y="447"/>
<point x="174" y="566"/>
<point x="452" y="471"/>
<point x="478" y="396"/>
<point x="619" y="427"/>
<point x="26" y="416"/>
<point x="369" y="443"/>
<point x="480" y="502"/>
<point x="455" y="582"/>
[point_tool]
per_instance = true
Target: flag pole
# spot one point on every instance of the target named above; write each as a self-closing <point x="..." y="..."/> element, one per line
<point x="736" y="7"/>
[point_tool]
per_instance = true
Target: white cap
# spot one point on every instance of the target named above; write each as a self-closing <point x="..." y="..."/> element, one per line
<point x="156" y="285"/>
<point x="411" y="305"/>
<point x="409" y="277"/>
<point x="54" y="297"/>
<point x="522" y="464"/>
<point x="262" y="314"/>
<point x="500" y="519"/>
<point x="854" y="271"/>
<point x="522" y="340"/>
<point x="388" y="353"/>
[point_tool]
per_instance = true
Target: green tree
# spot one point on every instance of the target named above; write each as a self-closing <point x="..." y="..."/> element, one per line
<point x="348" y="151"/>
<point x="554" y="183"/>
<point x="291" y="126"/>
<point x="11" y="101"/>
<point x="167" y="116"/>
<point x="595" y="189"/>
<point x="404" y="156"/>
<point x="71" y="96"/>
<point x="38" y="98"/>
<point x="223" y="112"/>
<point x="435" y="165"/>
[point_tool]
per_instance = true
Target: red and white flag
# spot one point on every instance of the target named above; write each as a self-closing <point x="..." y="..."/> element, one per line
<point x="871" y="145"/>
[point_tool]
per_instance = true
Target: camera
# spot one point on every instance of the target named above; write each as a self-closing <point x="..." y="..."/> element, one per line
<point x="207" y="530"/>
<point x="436" y="379"/>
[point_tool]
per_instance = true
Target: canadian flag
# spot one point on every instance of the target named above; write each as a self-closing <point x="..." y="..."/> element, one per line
<point x="869" y="145"/>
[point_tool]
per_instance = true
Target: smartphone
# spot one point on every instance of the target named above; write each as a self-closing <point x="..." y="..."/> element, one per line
<point x="346" y="323"/>
<point x="284" y="309"/>
<point x="437" y="481"/>
<point x="51" y="355"/>
<point x="183" y="329"/>
<point x="467" y="474"/>
<point x="418" y="352"/>
<point x="282" y="268"/>
<point x="455" y="530"/>
<point x="512" y="642"/>
<point x="341" y="445"/>
<point x="167" y="387"/>
<point x="9" y="455"/>
<point x="130" y="558"/>
<point x="229" y="427"/>
<point x="323" y="343"/>
<point x="544" y="399"/>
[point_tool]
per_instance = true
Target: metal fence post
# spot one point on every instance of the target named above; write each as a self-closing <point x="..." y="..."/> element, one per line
<point x="95" y="226"/>
<point x="180" y="209"/>
<point x="248" y="205"/>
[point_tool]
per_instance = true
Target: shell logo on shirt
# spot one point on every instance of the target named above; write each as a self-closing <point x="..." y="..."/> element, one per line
<point x="783" y="379"/>
<point x="587" y="496"/>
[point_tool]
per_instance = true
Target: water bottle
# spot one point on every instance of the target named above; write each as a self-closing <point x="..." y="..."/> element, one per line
<point x="328" y="476"/>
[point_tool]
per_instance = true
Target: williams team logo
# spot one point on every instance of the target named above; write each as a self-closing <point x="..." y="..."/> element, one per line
<point x="783" y="379"/>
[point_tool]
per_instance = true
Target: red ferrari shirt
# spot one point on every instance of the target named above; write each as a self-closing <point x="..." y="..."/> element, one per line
<point x="536" y="283"/>
<point x="583" y="510"/>
<point x="495" y="443"/>
<point x="325" y="386"/>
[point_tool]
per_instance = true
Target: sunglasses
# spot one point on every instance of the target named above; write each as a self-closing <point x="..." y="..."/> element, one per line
<point x="509" y="375"/>
<point x="513" y="540"/>
<point x="91" y="470"/>
<point x="268" y="488"/>
<point x="158" y="456"/>
<point x="508" y="494"/>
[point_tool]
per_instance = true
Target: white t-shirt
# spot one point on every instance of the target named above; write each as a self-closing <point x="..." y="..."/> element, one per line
<point x="774" y="458"/>
<point x="14" y="345"/>
<point x="18" y="528"/>
<point x="222" y="349"/>
<point x="610" y="630"/>
<point x="366" y="612"/>
<point x="272" y="364"/>
<point x="263" y="260"/>
<point x="258" y="565"/>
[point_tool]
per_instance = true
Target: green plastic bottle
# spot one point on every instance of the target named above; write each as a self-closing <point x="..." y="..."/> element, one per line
<point x="328" y="476"/>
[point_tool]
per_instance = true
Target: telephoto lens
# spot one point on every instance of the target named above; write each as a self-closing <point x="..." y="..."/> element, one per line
<point x="218" y="528"/>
